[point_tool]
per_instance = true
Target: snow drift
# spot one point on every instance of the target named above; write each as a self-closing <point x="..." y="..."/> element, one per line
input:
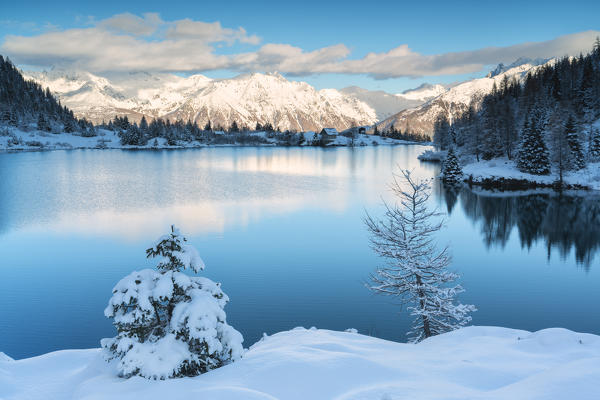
<point x="470" y="363"/>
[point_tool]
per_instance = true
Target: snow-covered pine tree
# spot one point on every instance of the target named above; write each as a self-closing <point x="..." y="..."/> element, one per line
<point x="594" y="151"/>
<point x="70" y="125"/>
<point x="533" y="156"/>
<point x="577" y="157"/>
<point x="42" y="123"/>
<point x="451" y="170"/>
<point x="416" y="272"/>
<point x="170" y="324"/>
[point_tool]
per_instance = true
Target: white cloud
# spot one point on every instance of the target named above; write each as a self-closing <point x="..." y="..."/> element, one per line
<point x="288" y="59"/>
<point x="210" y="32"/>
<point x="402" y="61"/>
<point x="132" y="24"/>
<point x="127" y="42"/>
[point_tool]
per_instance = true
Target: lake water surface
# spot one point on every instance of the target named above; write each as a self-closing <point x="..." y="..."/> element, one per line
<point x="282" y="229"/>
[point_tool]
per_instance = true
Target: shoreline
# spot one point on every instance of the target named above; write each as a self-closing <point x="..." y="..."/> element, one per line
<point x="202" y="146"/>
<point x="513" y="184"/>
<point x="503" y="174"/>
<point x="16" y="141"/>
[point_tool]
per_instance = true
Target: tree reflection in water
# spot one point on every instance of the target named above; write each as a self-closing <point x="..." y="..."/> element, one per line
<point x="565" y="221"/>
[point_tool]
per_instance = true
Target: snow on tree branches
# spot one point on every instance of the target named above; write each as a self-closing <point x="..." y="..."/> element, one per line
<point x="451" y="170"/>
<point x="533" y="156"/>
<point x="416" y="272"/>
<point x="170" y="324"/>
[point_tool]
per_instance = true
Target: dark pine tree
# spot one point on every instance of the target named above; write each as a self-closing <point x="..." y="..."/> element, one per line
<point x="533" y="155"/>
<point x="595" y="145"/>
<point x="577" y="157"/>
<point x="42" y="123"/>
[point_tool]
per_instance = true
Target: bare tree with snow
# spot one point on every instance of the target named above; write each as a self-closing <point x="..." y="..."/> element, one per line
<point x="416" y="271"/>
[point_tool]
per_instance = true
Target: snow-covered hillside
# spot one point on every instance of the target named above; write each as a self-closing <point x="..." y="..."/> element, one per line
<point x="455" y="100"/>
<point x="246" y="99"/>
<point x="471" y="363"/>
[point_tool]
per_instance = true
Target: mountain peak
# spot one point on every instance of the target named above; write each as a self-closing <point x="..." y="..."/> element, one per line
<point x="501" y="68"/>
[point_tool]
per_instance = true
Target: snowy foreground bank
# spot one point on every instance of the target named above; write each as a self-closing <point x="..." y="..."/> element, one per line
<point x="13" y="139"/>
<point x="471" y="363"/>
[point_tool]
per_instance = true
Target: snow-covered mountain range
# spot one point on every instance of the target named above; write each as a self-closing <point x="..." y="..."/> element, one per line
<point x="245" y="99"/>
<point x="456" y="100"/>
<point x="266" y="98"/>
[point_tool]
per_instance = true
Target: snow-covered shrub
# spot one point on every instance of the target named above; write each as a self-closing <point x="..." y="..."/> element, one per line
<point x="170" y="324"/>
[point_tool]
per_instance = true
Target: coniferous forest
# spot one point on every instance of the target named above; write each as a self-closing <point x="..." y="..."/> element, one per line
<point x="543" y="122"/>
<point x="23" y="102"/>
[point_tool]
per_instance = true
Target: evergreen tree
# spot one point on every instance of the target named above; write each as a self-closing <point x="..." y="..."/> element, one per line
<point x="208" y="126"/>
<point x="268" y="127"/>
<point x="577" y="157"/>
<point x="69" y="126"/>
<point x="440" y="132"/>
<point x="491" y="143"/>
<point x="144" y="126"/>
<point x="452" y="135"/>
<point x="301" y="139"/>
<point x="533" y="155"/>
<point x="42" y="123"/>
<point x="451" y="170"/>
<point x="159" y="313"/>
<point x="594" y="150"/>
<point x="417" y="272"/>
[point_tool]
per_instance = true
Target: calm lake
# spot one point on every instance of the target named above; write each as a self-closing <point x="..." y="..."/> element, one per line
<point x="282" y="229"/>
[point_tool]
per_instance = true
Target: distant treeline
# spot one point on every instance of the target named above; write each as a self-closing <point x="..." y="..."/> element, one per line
<point x="24" y="102"/>
<point x="394" y="133"/>
<point x="132" y="133"/>
<point x="542" y="122"/>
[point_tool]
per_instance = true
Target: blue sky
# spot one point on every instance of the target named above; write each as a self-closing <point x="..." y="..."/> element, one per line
<point x="426" y="28"/>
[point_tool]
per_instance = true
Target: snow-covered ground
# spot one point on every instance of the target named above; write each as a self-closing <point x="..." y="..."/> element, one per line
<point x="503" y="168"/>
<point x="471" y="363"/>
<point x="13" y="139"/>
